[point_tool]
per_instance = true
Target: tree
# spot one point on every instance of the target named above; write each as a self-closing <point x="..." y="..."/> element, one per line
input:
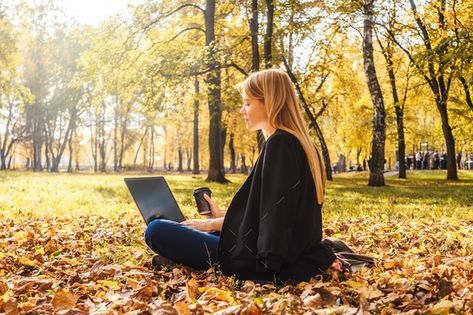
<point x="379" y="122"/>
<point x="433" y="60"/>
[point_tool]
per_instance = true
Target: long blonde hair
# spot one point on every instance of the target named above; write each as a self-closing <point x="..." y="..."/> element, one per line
<point x="275" y="88"/>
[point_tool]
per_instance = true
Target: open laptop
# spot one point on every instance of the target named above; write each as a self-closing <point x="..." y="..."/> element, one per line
<point x="154" y="198"/>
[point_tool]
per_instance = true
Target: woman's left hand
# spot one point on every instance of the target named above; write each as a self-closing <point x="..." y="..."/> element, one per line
<point x="201" y="225"/>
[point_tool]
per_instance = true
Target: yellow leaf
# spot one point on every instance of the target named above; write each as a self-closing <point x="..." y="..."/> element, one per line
<point x="28" y="262"/>
<point x="217" y="294"/>
<point x="442" y="307"/>
<point x="354" y="284"/>
<point x="109" y="284"/>
<point x="7" y="296"/>
<point x="39" y="251"/>
<point x="20" y="236"/>
<point x="301" y="285"/>
<point x="391" y="264"/>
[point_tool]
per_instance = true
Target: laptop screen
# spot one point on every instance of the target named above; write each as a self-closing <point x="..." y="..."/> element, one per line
<point x="154" y="198"/>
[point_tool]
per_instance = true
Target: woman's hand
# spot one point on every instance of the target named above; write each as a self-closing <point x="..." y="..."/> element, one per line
<point x="201" y="225"/>
<point x="216" y="212"/>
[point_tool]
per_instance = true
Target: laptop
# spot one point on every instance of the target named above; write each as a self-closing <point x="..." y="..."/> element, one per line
<point x="154" y="198"/>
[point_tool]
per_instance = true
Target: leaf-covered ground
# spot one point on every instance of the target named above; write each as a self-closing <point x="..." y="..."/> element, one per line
<point x="73" y="244"/>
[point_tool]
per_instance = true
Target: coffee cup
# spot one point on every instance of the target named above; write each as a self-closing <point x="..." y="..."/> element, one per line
<point x="203" y="207"/>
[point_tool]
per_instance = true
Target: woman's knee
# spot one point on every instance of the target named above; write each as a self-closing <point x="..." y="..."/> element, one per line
<point x="157" y="230"/>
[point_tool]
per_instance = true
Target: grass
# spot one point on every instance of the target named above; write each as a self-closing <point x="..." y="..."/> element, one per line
<point x="423" y="194"/>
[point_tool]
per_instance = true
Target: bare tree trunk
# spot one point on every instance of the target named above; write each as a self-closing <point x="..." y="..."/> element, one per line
<point x="69" y="164"/>
<point x="388" y="56"/>
<point x="255" y="59"/>
<point x="123" y="132"/>
<point x="115" y="139"/>
<point x="139" y="147"/>
<point x="379" y="124"/>
<point x="196" y="166"/>
<point x="102" y="144"/>
<point x="37" y="137"/>
<point x="179" y="157"/>
<point x="47" y="146"/>
<point x="269" y="34"/>
<point x="188" y="159"/>
<point x="232" y="154"/>
<point x="151" y="152"/>
<point x="216" y="172"/>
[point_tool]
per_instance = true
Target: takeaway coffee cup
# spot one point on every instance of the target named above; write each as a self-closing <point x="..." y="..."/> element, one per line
<point x="203" y="207"/>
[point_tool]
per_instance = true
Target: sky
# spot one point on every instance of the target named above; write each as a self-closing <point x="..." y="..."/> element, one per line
<point x="94" y="11"/>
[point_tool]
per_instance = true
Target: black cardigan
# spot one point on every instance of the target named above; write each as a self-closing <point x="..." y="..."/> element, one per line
<point x="273" y="227"/>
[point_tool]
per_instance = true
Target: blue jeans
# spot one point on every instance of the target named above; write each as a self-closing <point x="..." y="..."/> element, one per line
<point x="182" y="244"/>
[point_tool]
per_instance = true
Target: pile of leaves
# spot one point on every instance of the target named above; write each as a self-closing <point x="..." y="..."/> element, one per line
<point x="91" y="264"/>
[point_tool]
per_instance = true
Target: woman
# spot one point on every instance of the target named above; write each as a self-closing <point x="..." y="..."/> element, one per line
<point x="272" y="229"/>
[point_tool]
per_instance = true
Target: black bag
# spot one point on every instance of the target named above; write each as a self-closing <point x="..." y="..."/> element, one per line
<point x="351" y="261"/>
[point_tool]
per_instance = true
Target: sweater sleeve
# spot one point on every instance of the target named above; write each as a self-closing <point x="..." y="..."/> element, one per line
<point x="279" y="200"/>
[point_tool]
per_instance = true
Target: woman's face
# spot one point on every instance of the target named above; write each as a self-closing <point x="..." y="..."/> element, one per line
<point x="254" y="113"/>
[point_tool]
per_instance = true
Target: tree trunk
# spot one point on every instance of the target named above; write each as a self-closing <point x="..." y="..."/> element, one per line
<point x="449" y="141"/>
<point x="188" y="159"/>
<point x="231" y="147"/>
<point x="269" y="34"/>
<point x="216" y="172"/>
<point x="115" y="139"/>
<point x="69" y="165"/>
<point x="123" y="132"/>
<point x="466" y="88"/>
<point x="179" y="156"/>
<point x="151" y="152"/>
<point x="223" y="140"/>
<point x="255" y="58"/>
<point x="254" y="25"/>
<point x="47" y="146"/>
<point x="379" y="124"/>
<point x="102" y="143"/>
<point x="401" y="144"/>
<point x="139" y="147"/>
<point x="196" y="166"/>
<point x="37" y="137"/>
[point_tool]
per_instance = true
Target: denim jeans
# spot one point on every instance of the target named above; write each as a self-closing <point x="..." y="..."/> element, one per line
<point x="182" y="244"/>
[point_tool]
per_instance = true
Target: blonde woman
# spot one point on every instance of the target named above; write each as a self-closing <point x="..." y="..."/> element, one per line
<point x="272" y="229"/>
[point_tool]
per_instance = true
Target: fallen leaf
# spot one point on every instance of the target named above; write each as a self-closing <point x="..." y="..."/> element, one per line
<point x="64" y="301"/>
<point x="442" y="307"/>
<point x="109" y="284"/>
<point x="192" y="287"/>
<point x="182" y="308"/>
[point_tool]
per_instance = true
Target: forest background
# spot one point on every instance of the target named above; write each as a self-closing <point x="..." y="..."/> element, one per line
<point x="154" y="87"/>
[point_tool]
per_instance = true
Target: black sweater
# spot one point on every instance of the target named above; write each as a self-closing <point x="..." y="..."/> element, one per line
<point x="273" y="227"/>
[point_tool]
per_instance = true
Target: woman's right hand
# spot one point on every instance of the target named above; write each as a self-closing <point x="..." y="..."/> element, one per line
<point x="216" y="212"/>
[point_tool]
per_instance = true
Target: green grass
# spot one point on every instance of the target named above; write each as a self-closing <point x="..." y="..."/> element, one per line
<point x="423" y="194"/>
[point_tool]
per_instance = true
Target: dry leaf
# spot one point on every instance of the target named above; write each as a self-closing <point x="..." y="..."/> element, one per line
<point x="192" y="288"/>
<point x="64" y="301"/>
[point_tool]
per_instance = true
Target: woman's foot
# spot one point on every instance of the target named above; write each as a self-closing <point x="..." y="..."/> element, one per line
<point x="161" y="261"/>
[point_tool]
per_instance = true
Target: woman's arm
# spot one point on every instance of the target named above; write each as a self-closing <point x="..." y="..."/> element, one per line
<point x="209" y="225"/>
<point x="217" y="224"/>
